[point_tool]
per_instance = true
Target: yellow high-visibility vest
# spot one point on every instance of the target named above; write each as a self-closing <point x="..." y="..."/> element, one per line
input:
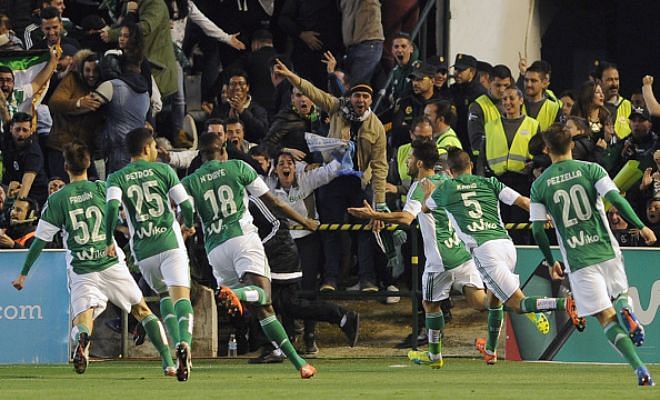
<point x="447" y="140"/>
<point x="500" y="158"/>
<point x="622" y="124"/>
<point x="547" y="114"/>
<point x="491" y="112"/>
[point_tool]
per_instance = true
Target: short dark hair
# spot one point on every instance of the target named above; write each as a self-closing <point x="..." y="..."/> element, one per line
<point x="50" y="13"/>
<point x="517" y="90"/>
<point x="541" y="67"/>
<point x="21" y="117"/>
<point x="283" y="153"/>
<point x="256" y="151"/>
<point x="237" y="72"/>
<point x="6" y="70"/>
<point x="444" y="109"/>
<point x="419" y="120"/>
<point x="402" y="35"/>
<point x="426" y="152"/>
<point x="501" y="71"/>
<point x="234" y="120"/>
<point x="33" y="207"/>
<point x="557" y="139"/>
<point x="213" y="121"/>
<point x="137" y="139"/>
<point x="210" y="145"/>
<point x="568" y="93"/>
<point x="604" y="66"/>
<point x="458" y="159"/>
<point x="77" y="157"/>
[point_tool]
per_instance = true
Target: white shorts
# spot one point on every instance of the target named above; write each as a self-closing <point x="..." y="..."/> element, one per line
<point x="237" y="256"/>
<point x="437" y="285"/>
<point x="496" y="261"/>
<point x="594" y="286"/>
<point x="167" y="269"/>
<point x="95" y="289"/>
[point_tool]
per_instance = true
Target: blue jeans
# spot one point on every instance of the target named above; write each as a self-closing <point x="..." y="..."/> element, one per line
<point x="362" y="59"/>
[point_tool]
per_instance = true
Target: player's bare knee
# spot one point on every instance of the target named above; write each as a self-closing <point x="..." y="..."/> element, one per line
<point x="476" y="298"/>
<point x="606" y="316"/>
<point x="140" y="311"/>
<point x="431" y="306"/>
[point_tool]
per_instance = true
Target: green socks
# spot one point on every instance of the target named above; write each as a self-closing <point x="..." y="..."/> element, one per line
<point x="618" y="337"/>
<point x="184" y="312"/>
<point x="168" y="315"/>
<point x="275" y="333"/>
<point x="620" y="303"/>
<point x="435" y="323"/>
<point x="495" y="317"/>
<point x="156" y="334"/>
<point x="541" y="304"/>
<point x="251" y="294"/>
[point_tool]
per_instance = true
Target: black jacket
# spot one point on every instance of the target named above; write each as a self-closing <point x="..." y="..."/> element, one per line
<point x="281" y="250"/>
<point x="254" y="117"/>
<point x="288" y="130"/>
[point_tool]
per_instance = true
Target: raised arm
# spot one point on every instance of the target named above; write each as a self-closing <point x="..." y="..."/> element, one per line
<point x="286" y="210"/>
<point x="647" y="91"/>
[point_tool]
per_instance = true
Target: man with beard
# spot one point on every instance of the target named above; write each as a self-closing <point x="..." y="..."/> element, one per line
<point x="74" y="109"/>
<point x="350" y="119"/>
<point x="620" y="108"/>
<point x="412" y="106"/>
<point x="538" y="104"/>
<point x="53" y="31"/>
<point x="464" y="91"/>
<point x="643" y="142"/>
<point x="24" y="162"/>
<point x="23" y="220"/>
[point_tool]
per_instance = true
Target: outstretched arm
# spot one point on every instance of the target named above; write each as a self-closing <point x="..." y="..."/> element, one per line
<point x="366" y="212"/>
<point x="629" y="215"/>
<point x="35" y="249"/>
<point x="276" y="202"/>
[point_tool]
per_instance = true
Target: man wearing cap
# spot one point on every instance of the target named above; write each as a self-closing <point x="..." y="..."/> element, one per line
<point x="485" y="71"/>
<point x="486" y="108"/>
<point x="412" y="105"/>
<point x="464" y="91"/>
<point x="351" y="119"/>
<point x="441" y="76"/>
<point x="642" y="141"/>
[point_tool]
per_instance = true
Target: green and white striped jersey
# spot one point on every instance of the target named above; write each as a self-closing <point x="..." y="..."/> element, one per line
<point x="473" y="205"/>
<point x="144" y="189"/>
<point x="218" y="189"/>
<point x="442" y="247"/>
<point x="570" y="191"/>
<point x="78" y="210"/>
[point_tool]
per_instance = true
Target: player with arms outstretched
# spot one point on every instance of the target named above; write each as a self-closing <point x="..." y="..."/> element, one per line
<point x="571" y="192"/>
<point x="448" y="263"/>
<point x="94" y="276"/>
<point x="144" y="188"/>
<point x="472" y="204"/>
<point x="219" y="190"/>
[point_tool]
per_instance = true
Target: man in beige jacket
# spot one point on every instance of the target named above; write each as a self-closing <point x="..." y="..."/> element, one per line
<point x="351" y="119"/>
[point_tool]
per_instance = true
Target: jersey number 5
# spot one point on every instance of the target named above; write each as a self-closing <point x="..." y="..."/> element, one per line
<point x="475" y="212"/>
<point x="576" y="199"/>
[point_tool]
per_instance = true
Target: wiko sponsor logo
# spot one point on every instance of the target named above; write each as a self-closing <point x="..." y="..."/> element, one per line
<point x="90" y="254"/>
<point x="150" y="230"/>
<point x="481" y="225"/>
<point x="21" y="312"/>
<point x="582" y="239"/>
<point x="646" y="316"/>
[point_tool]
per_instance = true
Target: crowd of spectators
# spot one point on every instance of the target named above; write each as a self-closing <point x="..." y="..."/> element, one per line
<point x="272" y="72"/>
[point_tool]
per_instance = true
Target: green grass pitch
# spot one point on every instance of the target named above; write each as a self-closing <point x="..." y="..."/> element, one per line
<point x="377" y="378"/>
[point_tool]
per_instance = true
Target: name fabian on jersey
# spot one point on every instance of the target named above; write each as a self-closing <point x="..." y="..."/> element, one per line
<point x="213" y="175"/>
<point x="555" y="180"/>
<point x="81" y="198"/>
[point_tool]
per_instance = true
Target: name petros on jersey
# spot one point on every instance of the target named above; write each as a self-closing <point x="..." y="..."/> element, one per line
<point x="81" y="198"/>
<point x="139" y="174"/>
<point x="555" y="180"/>
<point x="214" y="175"/>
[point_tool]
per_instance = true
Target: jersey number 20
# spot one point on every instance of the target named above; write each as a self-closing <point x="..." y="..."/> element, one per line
<point x="577" y="200"/>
